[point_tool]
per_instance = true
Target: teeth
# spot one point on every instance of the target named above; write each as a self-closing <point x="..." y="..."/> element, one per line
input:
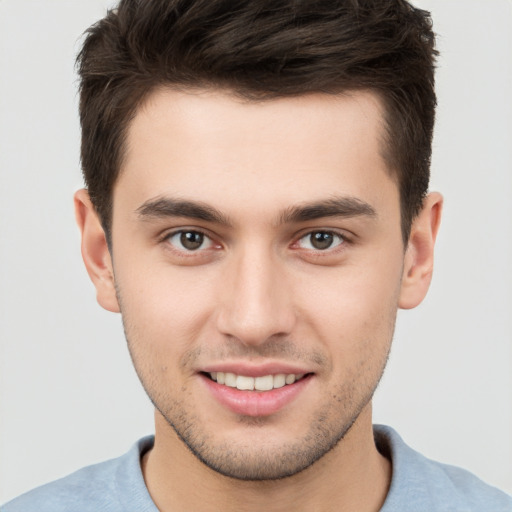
<point x="279" y="380"/>
<point x="245" y="382"/>
<point x="230" y="380"/>
<point x="290" y="379"/>
<point x="264" y="383"/>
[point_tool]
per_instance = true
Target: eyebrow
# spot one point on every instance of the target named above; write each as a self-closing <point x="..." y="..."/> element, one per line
<point x="345" y="206"/>
<point x="169" y="207"/>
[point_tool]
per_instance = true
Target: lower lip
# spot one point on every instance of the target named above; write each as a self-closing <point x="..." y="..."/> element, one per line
<point x="256" y="403"/>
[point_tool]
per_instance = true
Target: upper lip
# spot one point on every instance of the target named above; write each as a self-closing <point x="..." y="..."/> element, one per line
<point x="256" y="370"/>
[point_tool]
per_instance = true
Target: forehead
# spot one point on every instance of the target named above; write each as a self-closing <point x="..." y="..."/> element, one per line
<point x="214" y="147"/>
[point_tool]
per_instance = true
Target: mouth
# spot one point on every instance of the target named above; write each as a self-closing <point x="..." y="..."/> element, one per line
<point x="262" y="383"/>
<point x="261" y="395"/>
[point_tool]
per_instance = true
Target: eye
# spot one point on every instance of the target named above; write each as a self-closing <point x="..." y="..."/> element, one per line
<point x="320" y="240"/>
<point x="190" y="241"/>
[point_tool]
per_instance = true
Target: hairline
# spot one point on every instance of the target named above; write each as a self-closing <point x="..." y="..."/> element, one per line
<point x="255" y="97"/>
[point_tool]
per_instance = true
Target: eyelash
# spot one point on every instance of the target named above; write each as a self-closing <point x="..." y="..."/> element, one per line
<point x="212" y="244"/>
<point x="334" y="234"/>
<point x="184" y="251"/>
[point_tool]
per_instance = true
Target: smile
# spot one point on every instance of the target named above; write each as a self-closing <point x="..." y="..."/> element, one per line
<point x="256" y="395"/>
<point x="263" y="383"/>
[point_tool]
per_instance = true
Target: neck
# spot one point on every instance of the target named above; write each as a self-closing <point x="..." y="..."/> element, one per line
<point x="352" y="476"/>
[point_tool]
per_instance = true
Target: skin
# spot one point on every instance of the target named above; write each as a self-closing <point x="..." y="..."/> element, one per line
<point x="258" y="291"/>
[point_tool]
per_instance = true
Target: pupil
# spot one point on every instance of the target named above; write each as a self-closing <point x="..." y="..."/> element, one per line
<point x="191" y="240"/>
<point x="321" y="240"/>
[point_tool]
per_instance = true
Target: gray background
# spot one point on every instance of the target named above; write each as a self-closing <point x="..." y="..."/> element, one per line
<point x="69" y="396"/>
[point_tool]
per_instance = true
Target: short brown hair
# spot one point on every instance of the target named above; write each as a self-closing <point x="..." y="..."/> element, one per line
<point x="259" y="49"/>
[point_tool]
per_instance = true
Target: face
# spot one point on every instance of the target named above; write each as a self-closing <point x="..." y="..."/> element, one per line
<point x="258" y="260"/>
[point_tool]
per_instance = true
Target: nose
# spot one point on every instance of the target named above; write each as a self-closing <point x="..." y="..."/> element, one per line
<point x="255" y="300"/>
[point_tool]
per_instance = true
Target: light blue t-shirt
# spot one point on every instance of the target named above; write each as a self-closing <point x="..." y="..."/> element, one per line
<point x="418" y="485"/>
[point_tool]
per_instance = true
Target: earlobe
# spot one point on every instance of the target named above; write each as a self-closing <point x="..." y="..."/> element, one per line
<point x="419" y="256"/>
<point x="95" y="252"/>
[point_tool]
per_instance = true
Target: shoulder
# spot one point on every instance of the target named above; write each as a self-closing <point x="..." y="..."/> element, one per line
<point x="420" y="484"/>
<point x="106" y="486"/>
<point x="83" y="490"/>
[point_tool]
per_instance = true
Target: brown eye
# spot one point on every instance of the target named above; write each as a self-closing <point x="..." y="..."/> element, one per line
<point x="190" y="240"/>
<point x="320" y="240"/>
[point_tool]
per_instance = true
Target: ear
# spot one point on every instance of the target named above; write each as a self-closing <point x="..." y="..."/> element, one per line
<point x="95" y="252"/>
<point x="419" y="256"/>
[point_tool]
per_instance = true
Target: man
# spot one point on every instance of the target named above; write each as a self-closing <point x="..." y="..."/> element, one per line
<point x="257" y="209"/>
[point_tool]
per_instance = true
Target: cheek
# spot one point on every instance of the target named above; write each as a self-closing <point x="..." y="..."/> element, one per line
<point x="163" y="308"/>
<point x="353" y="308"/>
